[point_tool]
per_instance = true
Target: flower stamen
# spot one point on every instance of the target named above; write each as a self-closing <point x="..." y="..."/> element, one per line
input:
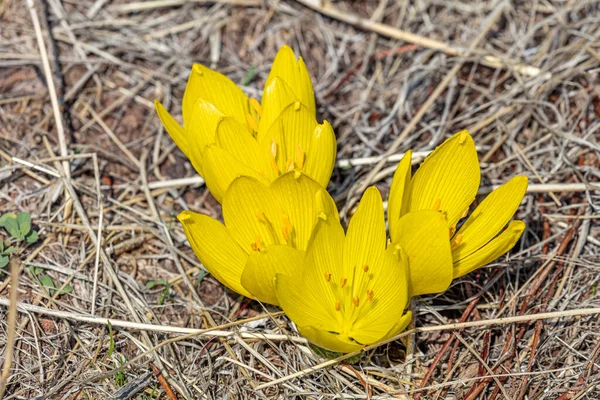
<point x="328" y="276"/>
<point x="256" y="245"/>
<point x="252" y="123"/>
<point x="355" y="301"/>
<point x="343" y="282"/>
<point x="299" y="157"/>
<point x="338" y="306"/>
<point x="273" y="149"/>
<point x="256" y="106"/>
<point x="370" y="295"/>
<point x="457" y="241"/>
<point x="289" y="165"/>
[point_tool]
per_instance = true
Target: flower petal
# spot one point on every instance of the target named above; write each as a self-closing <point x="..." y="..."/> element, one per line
<point x="221" y="169"/>
<point x="201" y="130"/>
<point x="491" y="251"/>
<point x="490" y="217"/>
<point x="320" y="156"/>
<point x="216" y="249"/>
<point x="216" y="89"/>
<point x="237" y="141"/>
<point x="277" y="95"/>
<point x="424" y="237"/>
<point x="400" y="182"/>
<point x="248" y="210"/>
<point x="262" y="267"/>
<point x="307" y="296"/>
<point x="448" y="179"/>
<point x="294" y="73"/>
<point x="400" y="325"/>
<point x="297" y="140"/>
<point x="302" y="201"/>
<point x="389" y="285"/>
<point x="175" y="130"/>
<point x="285" y="212"/>
<point x="366" y="237"/>
<point x="329" y="340"/>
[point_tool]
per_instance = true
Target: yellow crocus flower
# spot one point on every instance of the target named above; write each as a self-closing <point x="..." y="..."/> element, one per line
<point x="447" y="182"/>
<point x="261" y="221"/>
<point x="225" y="134"/>
<point x="348" y="290"/>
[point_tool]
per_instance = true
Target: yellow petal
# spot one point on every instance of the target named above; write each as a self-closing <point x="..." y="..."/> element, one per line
<point x="221" y="168"/>
<point x="302" y="200"/>
<point x="277" y="95"/>
<point x="329" y="340"/>
<point x="201" y="130"/>
<point x="290" y="207"/>
<point x="369" y="266"/>
<point x="262" y="267"/>
<point x="216" y="89"/>
<point x="424" y="237"/>
<point x="400" y="325"/>
<point x="448" y="179"/>
<point x="366" y="238"/>
<point x="491" y="251"/>
<point x="295" y="131"/>
<point x="307" y="296"/>
<point x="237" y="141"/>
<point x="389" y="283"/>
<point x="400" y="182"/>
<point x="216" y="249"/>
<point x="320" y="156"/>
<point x="490" y="217"/>
<point x="175" y="130"/>
<point x="294" y="73"/>
<point x="302" y="304"/>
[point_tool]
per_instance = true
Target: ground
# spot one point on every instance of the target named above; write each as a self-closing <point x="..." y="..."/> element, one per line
<point x="522" y="76"/>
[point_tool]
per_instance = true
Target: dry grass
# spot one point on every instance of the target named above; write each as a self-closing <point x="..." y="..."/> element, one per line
<point x="522" y="75"/>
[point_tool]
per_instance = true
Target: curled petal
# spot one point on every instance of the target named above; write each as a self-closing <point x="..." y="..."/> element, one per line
<point x="491" y="251"/>
<point x="490" y="217"/>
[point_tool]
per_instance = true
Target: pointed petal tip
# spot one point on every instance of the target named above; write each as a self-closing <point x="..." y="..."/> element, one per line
<point x="186" y="217"/>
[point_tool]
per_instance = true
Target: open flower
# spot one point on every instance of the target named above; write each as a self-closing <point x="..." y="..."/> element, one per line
<point x="349" y="290"/>
<point x="225" y="134"/>
<point x="447" y="182"/>
<point x="261" y="221"/>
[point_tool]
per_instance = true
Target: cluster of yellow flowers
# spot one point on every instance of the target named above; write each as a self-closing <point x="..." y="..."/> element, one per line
<point x="282" y="243"/>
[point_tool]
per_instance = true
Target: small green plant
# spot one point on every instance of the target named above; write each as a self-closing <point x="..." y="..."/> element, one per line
<point x="165" y="292"/>
<point x="120" y="377"/>
<point x="48" y="282"/>
<point x="19" y="230"/>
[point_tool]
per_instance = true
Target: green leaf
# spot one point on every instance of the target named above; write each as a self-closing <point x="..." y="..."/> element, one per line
<point x="47" y="282"/>
<point x="10" y="250"/>
<point x="111" y="347"/>
<point x="12" y="226"/>
<point x="24" y="221"/>
<point x="6" y="216"/>
<point x="1" y="246"/>
<point x="249" y="76"/>
<point x="32" y="237"/>
<point x="160" y="282"/>
<point x="67" y="289"/>
<point x="3" y="261"/>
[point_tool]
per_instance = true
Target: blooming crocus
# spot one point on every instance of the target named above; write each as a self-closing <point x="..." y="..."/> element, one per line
<point x="225" y="134"/>
<point x="447" y="182"/>
<point x="261" y="221"/>
<point x="348" y="290"/>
